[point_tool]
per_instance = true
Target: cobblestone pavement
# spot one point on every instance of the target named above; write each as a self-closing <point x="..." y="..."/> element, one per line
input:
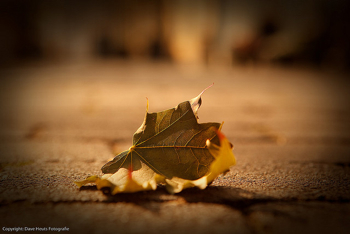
<point x="289" y="126"/>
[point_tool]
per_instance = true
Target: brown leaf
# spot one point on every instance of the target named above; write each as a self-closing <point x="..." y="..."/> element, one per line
<point x="172" y="143"/>
<point x="172" y="148"/>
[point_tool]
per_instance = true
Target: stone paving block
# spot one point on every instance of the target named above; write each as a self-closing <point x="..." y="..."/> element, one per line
<point x="290" y="129"/>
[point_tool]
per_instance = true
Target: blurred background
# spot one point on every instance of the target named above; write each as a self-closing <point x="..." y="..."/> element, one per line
<point x="79" y="71"/>
<point x="192" y="32"/>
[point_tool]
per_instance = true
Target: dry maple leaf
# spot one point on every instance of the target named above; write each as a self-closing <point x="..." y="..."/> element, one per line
<point x="170" y="147"/>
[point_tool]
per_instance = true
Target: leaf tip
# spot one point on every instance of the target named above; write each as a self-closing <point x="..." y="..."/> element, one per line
<point x="206" y="89"/>
<point x="197" y="101"/>
<point x="221" y="125"/>
<point x="147" y="105"/>
<point x="79" y="183"/>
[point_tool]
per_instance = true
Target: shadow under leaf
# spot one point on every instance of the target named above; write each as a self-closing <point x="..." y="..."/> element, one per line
<point x="235" y="198"/>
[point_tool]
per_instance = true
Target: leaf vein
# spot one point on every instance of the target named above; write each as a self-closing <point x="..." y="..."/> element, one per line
<point x="150" y="165"/>
<point x="178" y="156"/>
<point x="182" y="132"/>
<point x="160" y="122"/>
<point x="164" y="128"/>
<point x="197" y="161"/>
<point x="123" y="161"/>
<point x="195" y="135"/>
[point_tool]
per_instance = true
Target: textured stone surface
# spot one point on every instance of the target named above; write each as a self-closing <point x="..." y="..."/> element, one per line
<point x="290" y="129"/>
